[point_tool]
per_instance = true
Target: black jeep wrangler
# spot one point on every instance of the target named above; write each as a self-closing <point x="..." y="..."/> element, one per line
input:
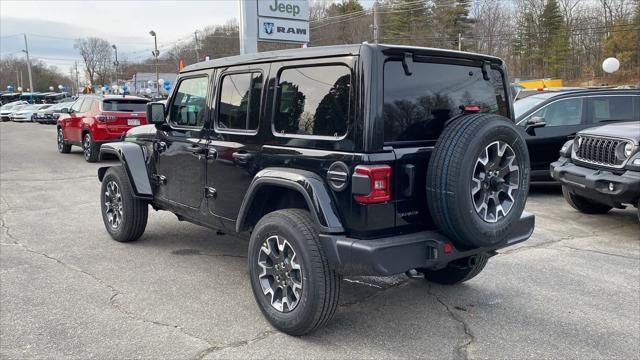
<point x="600" y="168"/>
<point x="359" y="160"/>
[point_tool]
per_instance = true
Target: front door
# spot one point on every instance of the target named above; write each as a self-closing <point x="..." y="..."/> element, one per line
<point x="235" y="139"/>
<point x="564" y="118"/>
<point x="180" y="148"/>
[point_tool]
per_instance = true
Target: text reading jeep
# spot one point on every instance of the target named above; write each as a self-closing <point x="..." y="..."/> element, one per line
<point x="359" y="160"/>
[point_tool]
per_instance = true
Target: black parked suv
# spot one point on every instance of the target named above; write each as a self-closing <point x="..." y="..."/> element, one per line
<point x="600" y="169"/>
<point x="359" y="160"/>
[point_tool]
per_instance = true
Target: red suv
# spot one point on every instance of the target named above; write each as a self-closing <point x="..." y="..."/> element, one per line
<point x="93" y="120"/>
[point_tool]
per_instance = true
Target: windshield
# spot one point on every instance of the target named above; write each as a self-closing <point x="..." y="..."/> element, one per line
<point x="129" y="105"/>
<point x="523" y="105"/>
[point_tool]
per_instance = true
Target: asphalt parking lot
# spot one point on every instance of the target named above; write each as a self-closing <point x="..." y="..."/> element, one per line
<point x="68" y="291"/>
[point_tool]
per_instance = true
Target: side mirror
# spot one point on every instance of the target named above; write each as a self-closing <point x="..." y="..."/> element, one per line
<point x="533" y="123"/>
<point x="155" y="113"/>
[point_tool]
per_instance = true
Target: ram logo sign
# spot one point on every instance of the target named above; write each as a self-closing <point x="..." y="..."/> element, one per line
<point x="272" y="29"/>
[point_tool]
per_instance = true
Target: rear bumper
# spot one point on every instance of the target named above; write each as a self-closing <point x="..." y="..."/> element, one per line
<point x="398" y="254"/>
<point x="594" y="184"/>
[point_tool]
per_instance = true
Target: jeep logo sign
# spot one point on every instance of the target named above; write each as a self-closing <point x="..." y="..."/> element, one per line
<point x="284" y="9"/>
<point x="272" y="29"/>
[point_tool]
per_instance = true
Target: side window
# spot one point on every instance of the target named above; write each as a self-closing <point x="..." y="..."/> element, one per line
<point x="313" y="101"/>
<point x="77" y="105"/>
<point x="239" y="104"/>
<point x="562" y="112"/>
<point x="605" y="108"/>
<point x="87" y="105"/>
<point x="189" y="102"/>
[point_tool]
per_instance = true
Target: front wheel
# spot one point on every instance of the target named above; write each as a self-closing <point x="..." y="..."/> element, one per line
<point x="583" y="204"/>
<point x="124" y="216"/>
<point x="90" y="149"/>
<point x="457" y="271"/>
<point x="291" y="280"/>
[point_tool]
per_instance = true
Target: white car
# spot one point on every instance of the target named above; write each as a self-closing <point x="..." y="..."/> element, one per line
<point x="26" y="113"/>
<point x="7" y="109"/>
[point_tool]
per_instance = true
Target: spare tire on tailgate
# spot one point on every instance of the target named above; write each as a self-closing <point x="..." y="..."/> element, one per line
<point x="478" y="179"/>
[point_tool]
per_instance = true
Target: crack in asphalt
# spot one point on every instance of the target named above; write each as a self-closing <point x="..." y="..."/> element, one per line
<point x="462" y="351"/>
<point x="236" y="344"/>
<point x="542" y="245"/>
<point x="398" y="285"/>
<point x="602" y="253"/>
<point x="49" y="180"/>
<point x="363" y="283"/>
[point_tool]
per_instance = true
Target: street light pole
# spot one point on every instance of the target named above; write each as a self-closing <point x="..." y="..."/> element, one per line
<point x="197" y="46"/>
<point x="115" y="63"/>
<point x="26" y="51"/>
<point x="156" y="53"/>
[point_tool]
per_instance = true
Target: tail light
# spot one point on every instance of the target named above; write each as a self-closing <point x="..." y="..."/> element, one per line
<point x="472" y="108"/>
<point x="105" y="117"/>
<point x="378" y="179"/>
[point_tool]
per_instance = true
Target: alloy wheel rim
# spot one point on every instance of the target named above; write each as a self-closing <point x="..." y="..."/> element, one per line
<point x="113" y="204"/>
<point x="495" y="181"/>
<point x="281" y="274"/>
<point x="87" y="147"/>
<point x="60" y="140"/>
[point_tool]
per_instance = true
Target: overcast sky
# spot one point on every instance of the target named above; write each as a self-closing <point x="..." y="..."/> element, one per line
<point x="52" y="26"/>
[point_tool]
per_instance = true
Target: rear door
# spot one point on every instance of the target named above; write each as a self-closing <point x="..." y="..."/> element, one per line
<point x="73" y="122"/>
<point x="612" y="108"/>
<point x="416" y="108"/>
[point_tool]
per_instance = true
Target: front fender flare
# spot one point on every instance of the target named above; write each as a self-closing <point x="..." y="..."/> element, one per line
<point x="132" y="159"/>
<point x="310" y="185"/>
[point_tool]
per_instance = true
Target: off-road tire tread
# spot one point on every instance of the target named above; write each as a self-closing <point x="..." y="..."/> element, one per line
<point x="329" y="291"/>
<point x="137" y="208"/>
<point x="584" y="205"/>
<point x="452" y="278"/>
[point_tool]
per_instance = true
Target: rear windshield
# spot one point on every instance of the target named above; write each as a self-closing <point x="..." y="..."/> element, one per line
<point x="417" y="106"/>
<point x="129" y="105"/>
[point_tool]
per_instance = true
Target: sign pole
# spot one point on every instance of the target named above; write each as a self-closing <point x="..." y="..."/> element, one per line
<point x="248" y="26"/>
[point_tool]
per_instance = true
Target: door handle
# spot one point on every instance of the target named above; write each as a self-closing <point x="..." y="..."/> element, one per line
<point x="212" y="154"/>
<point x="242" y="157"/>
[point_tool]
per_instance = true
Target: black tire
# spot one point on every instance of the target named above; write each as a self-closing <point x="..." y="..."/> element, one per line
<point x="63" y="147"/>
<point x="134" y="212"/>
<point x="454" y="163"/>
<point x="583" y="204"/>
<point x="457" y="271"/>
<point x="90" y="149"/>
<point x="318" y="298"/>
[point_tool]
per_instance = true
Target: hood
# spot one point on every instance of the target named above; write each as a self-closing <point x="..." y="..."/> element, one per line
<point x="625" y="130"/>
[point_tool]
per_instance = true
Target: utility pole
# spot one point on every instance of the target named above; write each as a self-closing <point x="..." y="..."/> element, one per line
<point x="375" y="22"/>
<point x="197" y="46"/>
<point x="77" y="80"/>
<point x="156" y="53"/>
<point x="459" y="42"/>
<point x="115" y="63"/>
<point x="26" y="50"/>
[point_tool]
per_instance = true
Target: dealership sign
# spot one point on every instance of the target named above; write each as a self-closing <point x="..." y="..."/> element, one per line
<point x="283" y="20"/>
<point x="272" y="29"/>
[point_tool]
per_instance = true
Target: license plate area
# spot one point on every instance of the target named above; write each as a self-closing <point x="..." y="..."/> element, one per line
<point x="133" y="122"/>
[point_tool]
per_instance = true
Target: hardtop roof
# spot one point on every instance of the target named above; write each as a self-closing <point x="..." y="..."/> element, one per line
<point x="322" y="51"/>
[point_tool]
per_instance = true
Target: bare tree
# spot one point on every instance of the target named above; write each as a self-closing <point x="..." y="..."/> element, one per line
<point x="96" y="53"/>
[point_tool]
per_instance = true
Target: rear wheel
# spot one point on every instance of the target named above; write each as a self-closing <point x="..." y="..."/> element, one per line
<point x="63" y="147"/>
<point x="90" y="149"/>
<point x="291" y="280"/>
<point x="457" y="271"/>
<point x="124" y="216"/>
<point x="583" y="204"/>
<point x="478" y="179"/>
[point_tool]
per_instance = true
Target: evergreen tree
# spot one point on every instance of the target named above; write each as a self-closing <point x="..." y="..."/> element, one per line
<point x="405" y="22"/>
<point x="555" y="40"/>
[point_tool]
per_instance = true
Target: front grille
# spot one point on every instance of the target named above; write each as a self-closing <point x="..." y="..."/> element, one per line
<point x="598" y="150"/>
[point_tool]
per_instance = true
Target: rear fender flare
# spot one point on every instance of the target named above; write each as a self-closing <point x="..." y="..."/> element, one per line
<point x="132" y="160"/>
<point x="310" y="185"/>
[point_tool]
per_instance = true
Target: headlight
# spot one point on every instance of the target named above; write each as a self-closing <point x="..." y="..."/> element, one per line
<point x="628" y="149"/>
